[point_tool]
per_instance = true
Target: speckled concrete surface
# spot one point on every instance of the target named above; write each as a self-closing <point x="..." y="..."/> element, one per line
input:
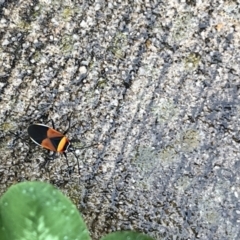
<point x="154" y="84"/>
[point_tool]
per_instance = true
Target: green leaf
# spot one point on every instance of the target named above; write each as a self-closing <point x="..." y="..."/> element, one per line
<point x="38" y="211"/>
<point x="126" y="235"/>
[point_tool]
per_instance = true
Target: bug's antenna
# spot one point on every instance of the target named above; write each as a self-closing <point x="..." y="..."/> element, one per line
<point x="74" y="148"/>
<point x="69" y="124"/>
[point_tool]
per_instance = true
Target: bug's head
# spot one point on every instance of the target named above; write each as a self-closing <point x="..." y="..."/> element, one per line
<point x="69" y="148"/>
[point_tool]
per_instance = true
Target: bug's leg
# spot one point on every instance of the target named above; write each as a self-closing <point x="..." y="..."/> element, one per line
<point x="69" y="123"/>
<point x="70" y="169"/>
<point x="44" y="164"/>
<point x="53" y="125"/>
<point x="65" y="155"/>
<point x="73" y="141"/>
<point x="47" y="160"/>
<point x="17" y="136"/>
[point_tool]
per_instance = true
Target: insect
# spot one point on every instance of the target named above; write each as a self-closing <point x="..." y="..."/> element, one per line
<point x="51" y="139"/>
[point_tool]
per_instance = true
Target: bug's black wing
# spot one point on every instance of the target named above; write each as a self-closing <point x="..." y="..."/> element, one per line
<point x="37" y="133"/>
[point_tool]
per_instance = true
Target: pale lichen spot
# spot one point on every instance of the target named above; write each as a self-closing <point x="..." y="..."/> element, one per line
<point x="192" y="61"/>
<point x="189" y="140"/>
<point x="168" y="155"/>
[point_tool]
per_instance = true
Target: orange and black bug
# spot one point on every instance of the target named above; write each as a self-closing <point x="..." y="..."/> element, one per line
<point x="51" y="139"/>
